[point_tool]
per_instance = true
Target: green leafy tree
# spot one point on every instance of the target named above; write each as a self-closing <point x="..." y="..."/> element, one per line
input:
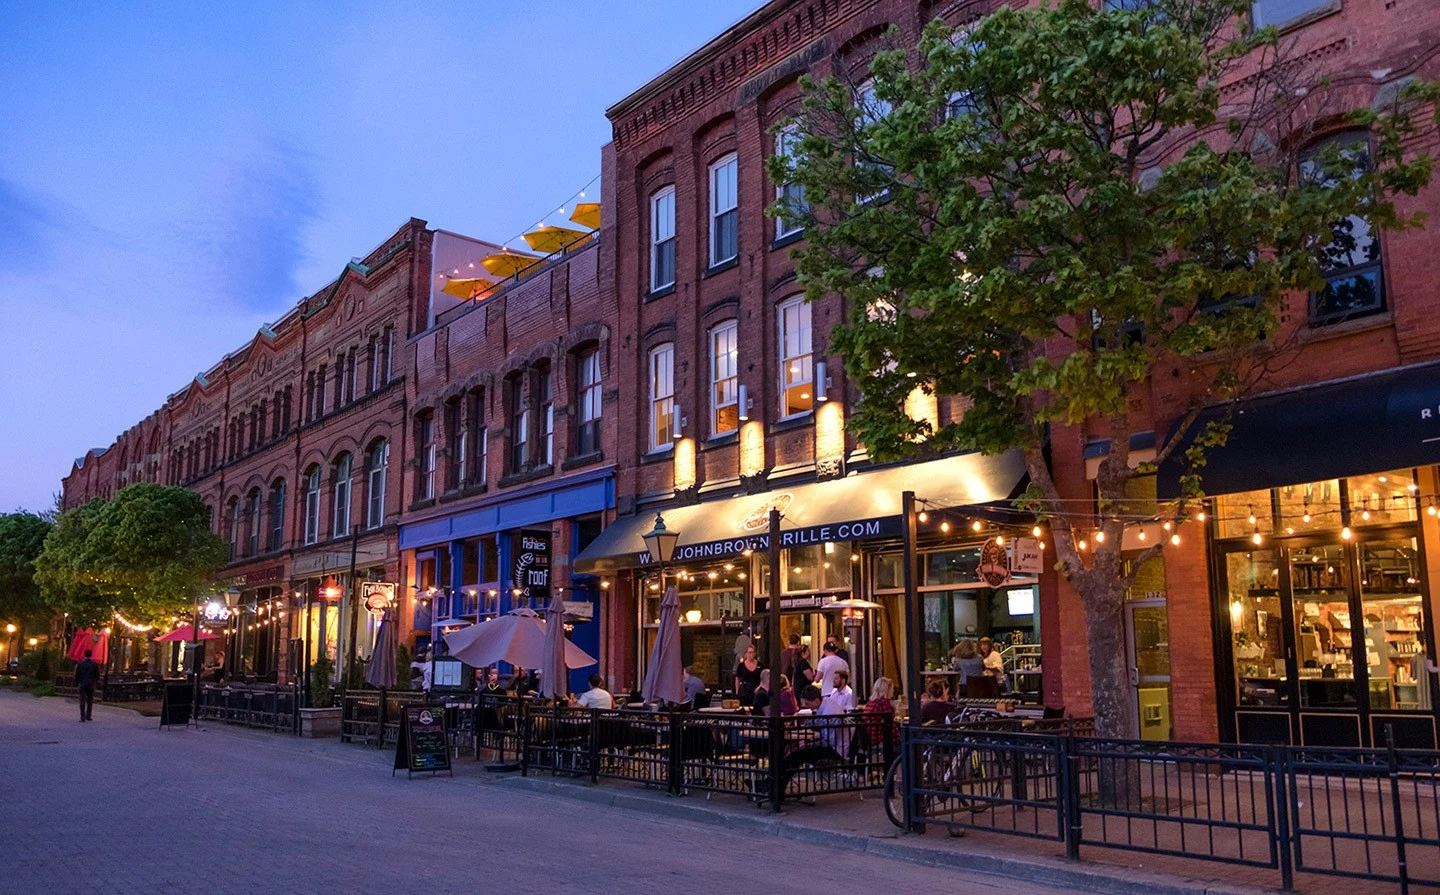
<point x="22" y="536"/>
<point x="1035" y="214"/>
<point x="148" y="553"/>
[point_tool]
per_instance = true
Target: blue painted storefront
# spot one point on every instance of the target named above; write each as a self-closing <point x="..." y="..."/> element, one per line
<point x="541" y="506"/>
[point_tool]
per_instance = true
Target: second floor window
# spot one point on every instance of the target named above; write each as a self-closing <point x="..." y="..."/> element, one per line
<point x="662" y="239"/>
<point x="425" y="436"/>
<point x="796" y="363"/>
<point x="252" y="519"/>
<point x="662" y="396"/>
<point x="376" y="472"/>
<point x="1277" y="12"/>
<point x="790" y="197"/>
<point x="1354" y="285"/>
<point x="312" y="505"/>
<point x="340" y="521"/>
<point x="476" y="437"/>
<point x="519" y="426"/>
<point x="547" y="417"/>
<point x="455" y="432"/>
<point x="724" y="210"/>
<point x="277" y="515"/>
<point x="587" y="432"/>
<point x="724" y="371"/>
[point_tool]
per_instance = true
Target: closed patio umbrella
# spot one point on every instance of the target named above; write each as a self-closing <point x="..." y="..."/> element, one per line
<point x="518" y="637"/>
<point x="665" y="674"/>
<point x="79" y="644"/>
<point x="553" y="678"/>
<point x="381" y="670"/>
<point x="99" y="647"/>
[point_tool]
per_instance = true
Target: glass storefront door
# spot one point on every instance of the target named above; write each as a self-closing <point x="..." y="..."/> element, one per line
<point x="1147" y="630"/>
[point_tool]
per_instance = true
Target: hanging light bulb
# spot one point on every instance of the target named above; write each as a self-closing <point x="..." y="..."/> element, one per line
<point x="1081" y="545"/>
<point x="1431" y="510"/>
<point x="1142" y="534"/>
<point x="1166" y="526"/>
<point x="945" y="526"/>
<point x="924" y="516"/>
<point x="1099" y="537"/>
<point x="1200" y="516"/>
<point x="1346" y="533"/>
<point x="1000" y="540"/>
<point x="1042" y="545"/>
<point x="1256" y="537"/>
<point x="1175" y="540"/>
<point x="1035" y="532"/>
<point x="976" y="526"/>
<point x="1306" y="517"/>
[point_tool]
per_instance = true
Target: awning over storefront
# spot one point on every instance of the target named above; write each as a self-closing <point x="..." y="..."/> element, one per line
<point x="580" y="494"/>
<point x="1388" y="420"/>
<point x="858" y="507"/>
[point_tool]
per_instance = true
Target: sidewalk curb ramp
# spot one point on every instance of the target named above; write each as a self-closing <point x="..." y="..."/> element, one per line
<point x="1040" y="871"/>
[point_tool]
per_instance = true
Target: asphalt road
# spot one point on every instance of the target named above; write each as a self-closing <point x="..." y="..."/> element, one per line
<point x="119" y="806"/>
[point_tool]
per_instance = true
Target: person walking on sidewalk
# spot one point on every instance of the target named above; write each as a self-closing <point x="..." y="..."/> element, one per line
<point x="87" y="672"/>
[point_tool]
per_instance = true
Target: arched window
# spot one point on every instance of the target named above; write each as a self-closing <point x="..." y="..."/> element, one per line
<point x="340" y="517"/>
<point x="252" y="522"/>
<point x="425" y="441"/>
<point x="232" y="525"/>
<point x="519" y="423"/>
<point x="312" y="505"/>
<point x="796" y="363"/>
<point x="277" y="515"/>
<point x="545" y="392"/>
<point x="1350" y="262"/>
<point x="376" y="464"/>
<point x="587" y="394"/>
<point x="457" y="467"/>
<point x="662" y="239"/>
<point x="724" y="378"/>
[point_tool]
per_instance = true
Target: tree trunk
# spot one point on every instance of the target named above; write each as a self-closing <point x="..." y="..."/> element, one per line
<point x="1119" y="782"/>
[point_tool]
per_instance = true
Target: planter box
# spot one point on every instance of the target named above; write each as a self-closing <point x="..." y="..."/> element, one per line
<point x="317" y="723"/>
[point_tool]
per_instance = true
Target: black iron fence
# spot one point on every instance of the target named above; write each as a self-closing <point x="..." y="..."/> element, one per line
<point x="1365" y="813"/>
<point x="270" y="707"/>
<point x="372" y="717"/>
<point x="681" y="752"/>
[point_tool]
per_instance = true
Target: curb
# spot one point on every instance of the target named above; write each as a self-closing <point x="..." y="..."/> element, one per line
<point x="1038" y="871"/>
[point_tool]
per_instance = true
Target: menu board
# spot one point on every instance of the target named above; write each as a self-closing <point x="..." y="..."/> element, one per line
<point x="178" y="701"/>
<point x="423" y="745"/>
<point x="531" y="567"/>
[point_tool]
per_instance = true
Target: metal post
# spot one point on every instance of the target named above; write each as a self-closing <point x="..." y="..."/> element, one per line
<point x="354" y="594"/>
<point x="305" y="671"/>
<point x="1280" y="804"/>
<point x="914" y="617"/>
<point x="195" y="660"/>
<point x="772" y="652"/>
<point x="1392" y="764"/>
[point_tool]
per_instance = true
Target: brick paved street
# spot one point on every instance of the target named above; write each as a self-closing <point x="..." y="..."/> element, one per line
<point x="119" y="806"/>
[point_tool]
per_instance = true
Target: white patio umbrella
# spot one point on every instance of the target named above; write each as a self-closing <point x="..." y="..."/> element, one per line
<point x="517" y="637"/>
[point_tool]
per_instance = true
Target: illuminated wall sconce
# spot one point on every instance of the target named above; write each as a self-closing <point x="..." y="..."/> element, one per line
<point x="677" y="422"/>
<point x="822" y="382"/>
<point x="744" y="403"/>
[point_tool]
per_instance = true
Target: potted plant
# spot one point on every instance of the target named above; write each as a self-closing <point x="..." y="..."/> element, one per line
<point x="321" y="719"/>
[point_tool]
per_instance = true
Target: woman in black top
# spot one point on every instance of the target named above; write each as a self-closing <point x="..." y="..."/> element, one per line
<point x="804" y="672"/>
<point x="762" y="694"/>
<point x="747" y="677"/>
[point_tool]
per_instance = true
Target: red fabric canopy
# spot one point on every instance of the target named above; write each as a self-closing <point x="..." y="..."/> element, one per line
<point x="184" y="634"/>
<point x="79" y="644"/>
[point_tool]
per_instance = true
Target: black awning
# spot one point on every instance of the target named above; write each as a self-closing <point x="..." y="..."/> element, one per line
<point x="857" y="507"/>
<point x="1388" y="420"/>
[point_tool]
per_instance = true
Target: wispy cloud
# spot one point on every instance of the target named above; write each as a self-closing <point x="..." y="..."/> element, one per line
<point x="30" y="222"/>
<point x="248" y="239"/>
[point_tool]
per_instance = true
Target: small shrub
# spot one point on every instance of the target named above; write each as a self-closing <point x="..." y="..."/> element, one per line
<point x="322" y="692"/>
<point x="40" y="663"/>
<point x="26" y="682"/>
<point x="45" y="689"/>
<point x="402" y="667"/>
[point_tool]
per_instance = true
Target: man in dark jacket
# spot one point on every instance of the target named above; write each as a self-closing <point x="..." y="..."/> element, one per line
<point x="87" y="672"/>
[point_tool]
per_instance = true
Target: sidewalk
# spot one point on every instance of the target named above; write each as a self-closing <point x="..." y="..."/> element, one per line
<point x="859" y="824"/>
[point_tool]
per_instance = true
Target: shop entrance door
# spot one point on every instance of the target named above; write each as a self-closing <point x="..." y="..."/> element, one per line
<point x="1147" y="631"/>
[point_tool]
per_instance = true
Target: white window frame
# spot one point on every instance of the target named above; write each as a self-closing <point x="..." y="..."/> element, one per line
<point x="376" y="477"/>
<point x="724" y="199"/>
<point x="427" y="456"/>
<point x="1261" y="21"/>
<point x="587" y="371"/>
<point x="794" y="346"/>
<point x="462" y="460"/>
<point x="661" y="369"/>
<point x="312" y="506"/>
<point x="340" y="521"/>
<point x="793" y="195"/>
<point x="662" y="234"/>
<point x="546" y="389"/>
<point x="724" y="373"/>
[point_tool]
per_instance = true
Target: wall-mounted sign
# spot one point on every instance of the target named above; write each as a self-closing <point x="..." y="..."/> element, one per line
<point x="803" y="601"/>
<point x="579" y="611"/>
<point x="994" y="568"/>
<point x="1027" y="558"/>
<point x="377" y="597"/>
<point x="214" y="611"/>
<point x="259" y="576"/>
<point x="835" y="532"/>
<point x="758" y="519"/>
<point x="530" y="571"/>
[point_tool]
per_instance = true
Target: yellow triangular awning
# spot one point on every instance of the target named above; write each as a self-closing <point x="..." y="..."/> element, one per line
<point x="553" y="239"/>
<point x="508" y="264"/>
<point x="587" y="214"/>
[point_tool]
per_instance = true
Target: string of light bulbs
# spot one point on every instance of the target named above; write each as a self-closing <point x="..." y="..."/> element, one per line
<point x="470" y="264"/>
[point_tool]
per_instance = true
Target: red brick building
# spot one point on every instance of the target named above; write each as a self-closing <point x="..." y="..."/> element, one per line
<point x="722" y="374"/>
<point x="295" y="441"/>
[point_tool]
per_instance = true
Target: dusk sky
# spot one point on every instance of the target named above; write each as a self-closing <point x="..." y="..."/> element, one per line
<point x="174" y="175"/>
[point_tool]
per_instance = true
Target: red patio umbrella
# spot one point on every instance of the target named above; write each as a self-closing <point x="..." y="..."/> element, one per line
<point x="99" y="647"/>
<point x="184" y="634"/>
<point x="79" y="644"/>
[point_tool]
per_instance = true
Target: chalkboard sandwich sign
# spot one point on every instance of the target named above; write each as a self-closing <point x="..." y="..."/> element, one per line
<point x="424" y="743"/>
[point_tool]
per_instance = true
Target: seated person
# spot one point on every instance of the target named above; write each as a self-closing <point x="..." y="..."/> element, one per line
<point x="694" y="686"/>
<point x="937" y="708"/>
<point x="492" y="686"/>
<point x="801" y="750"/>
<point x="597" y="697"/>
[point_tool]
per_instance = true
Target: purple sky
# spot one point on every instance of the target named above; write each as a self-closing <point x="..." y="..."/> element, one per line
<point x="173" y="177"/>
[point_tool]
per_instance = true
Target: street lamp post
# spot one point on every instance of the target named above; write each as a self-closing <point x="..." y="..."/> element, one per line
<point x="660" y="541"/>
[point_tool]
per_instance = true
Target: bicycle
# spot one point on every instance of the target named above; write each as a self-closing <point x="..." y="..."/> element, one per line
<point x="966" y="771"/>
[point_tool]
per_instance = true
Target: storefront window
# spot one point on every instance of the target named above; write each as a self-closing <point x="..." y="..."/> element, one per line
<point x="1313" y="506"/>
<point x="1383" y="497"/>
<point x="1322" y="627"/>
<point x="1394" y="623"/>
<point x="889" y="571"/>
<point x="1257" y="639"/>
<point x="814" y="567"/>
<point x="952" y="567"/>
<point x="1234" y="512"/>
